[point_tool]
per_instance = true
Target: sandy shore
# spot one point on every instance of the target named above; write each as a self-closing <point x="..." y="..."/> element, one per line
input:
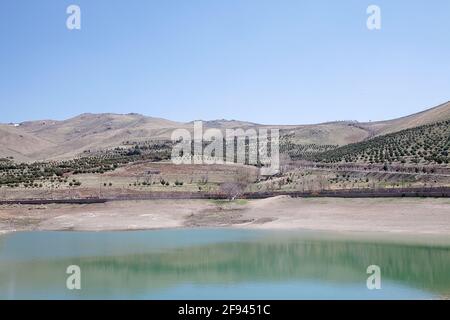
<point x="394" y="215"/>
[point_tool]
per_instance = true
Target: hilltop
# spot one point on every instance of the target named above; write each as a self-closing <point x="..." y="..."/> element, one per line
<point x="432" y="115"/>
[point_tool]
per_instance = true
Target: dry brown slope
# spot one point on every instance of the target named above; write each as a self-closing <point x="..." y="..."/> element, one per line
<point x="341" y="133"/>
<point x="95" y="131"/>
<point x="93" y="124"/>
<point x="338" y="133"/>
<point x="17" y="143"/>
<point x="432" y="115"/>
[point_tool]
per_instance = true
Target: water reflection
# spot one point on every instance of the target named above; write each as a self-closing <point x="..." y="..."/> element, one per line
<point x="196" y="263"/>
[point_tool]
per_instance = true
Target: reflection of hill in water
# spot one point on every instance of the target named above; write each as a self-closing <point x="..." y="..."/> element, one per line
<point x="226" y="263"/>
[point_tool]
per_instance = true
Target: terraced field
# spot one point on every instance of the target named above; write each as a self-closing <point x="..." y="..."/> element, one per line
<point x="298" y="151"/>
<point x="424" y="145"/>
<point x="37" y="174"/>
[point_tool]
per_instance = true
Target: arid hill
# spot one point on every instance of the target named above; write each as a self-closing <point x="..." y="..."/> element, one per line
<point x="51" y="139"/>
<point x="429" y="116"/>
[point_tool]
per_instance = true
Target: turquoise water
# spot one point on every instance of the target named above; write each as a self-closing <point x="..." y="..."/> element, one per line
<point x="218" y="264"/>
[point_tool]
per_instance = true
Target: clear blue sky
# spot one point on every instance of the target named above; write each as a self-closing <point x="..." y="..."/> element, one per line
<point x="286" y="61"/>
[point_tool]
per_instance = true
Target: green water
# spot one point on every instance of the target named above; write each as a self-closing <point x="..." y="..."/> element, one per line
<point x="219" y="264"/>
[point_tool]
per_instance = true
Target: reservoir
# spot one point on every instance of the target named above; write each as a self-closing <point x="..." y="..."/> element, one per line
<point x="222" y="264"/>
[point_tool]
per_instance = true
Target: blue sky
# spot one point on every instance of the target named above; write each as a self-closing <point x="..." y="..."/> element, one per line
<point x="267" y="61"/>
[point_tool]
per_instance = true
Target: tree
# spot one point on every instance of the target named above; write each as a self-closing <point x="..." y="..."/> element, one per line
<point x="236" y="188"/>
<point x="231" y="189"/>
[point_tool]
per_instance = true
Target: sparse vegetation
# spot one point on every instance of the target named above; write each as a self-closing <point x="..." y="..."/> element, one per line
<point x="15" y="174"/>
<point x="427" y="144"/>
<point x="299" y="151"/>
<point x="413" y="157"/>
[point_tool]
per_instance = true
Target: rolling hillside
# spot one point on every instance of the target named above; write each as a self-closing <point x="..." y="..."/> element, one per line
<point x="17" y="143"/>
<point x="54" y="140"/>
<point x="70" y="138"/>
<point x="427" y="144"/>
<point x="436" y="114"/>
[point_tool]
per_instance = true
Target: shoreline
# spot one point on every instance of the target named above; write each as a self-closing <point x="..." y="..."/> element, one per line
<point x="90" y="196"/>
<point x="413" y="216"/>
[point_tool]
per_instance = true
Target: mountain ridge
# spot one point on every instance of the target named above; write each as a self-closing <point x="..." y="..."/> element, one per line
<point x="63" y="139"/>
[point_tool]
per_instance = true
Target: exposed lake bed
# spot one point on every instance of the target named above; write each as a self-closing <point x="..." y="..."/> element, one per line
<point x="393" y="215"/>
